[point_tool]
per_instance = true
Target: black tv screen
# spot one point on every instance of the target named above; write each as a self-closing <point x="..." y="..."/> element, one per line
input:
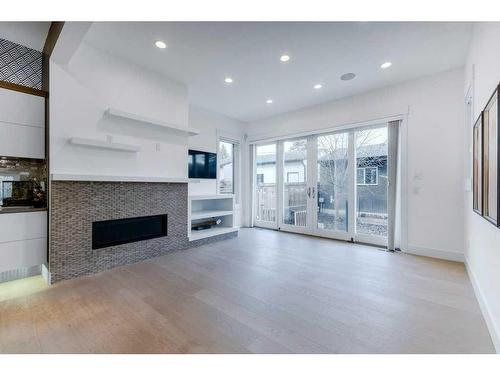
<point x="202" y="164"/>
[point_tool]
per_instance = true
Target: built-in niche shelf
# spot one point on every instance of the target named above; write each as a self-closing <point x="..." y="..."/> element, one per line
<point x="180" y="130"/>
<point x="96" y="143"/>
<point x="207" y="214"/>
<point x="202" y="207"/>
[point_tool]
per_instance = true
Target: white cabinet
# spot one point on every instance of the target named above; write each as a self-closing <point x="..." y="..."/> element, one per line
<point x="22" y="125"/>
<point x="23" y="240"/>
<point x="22" y="141"/>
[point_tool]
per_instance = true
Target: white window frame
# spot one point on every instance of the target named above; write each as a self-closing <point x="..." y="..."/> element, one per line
<point x="236" y="142"/>
<point x="364" y="176"/>
<point x="233" y="148"/>
<point x="273" y="136"/>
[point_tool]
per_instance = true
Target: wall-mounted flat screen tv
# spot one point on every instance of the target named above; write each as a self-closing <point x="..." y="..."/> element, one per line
<point x="202" y="164"/>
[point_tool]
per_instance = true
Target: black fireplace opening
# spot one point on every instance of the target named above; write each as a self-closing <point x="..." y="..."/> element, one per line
<point x="117" y="232"/>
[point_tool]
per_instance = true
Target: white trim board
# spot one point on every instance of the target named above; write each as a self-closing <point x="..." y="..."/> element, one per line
<point x="435" y="253"/>
<point x="263" y="138"/>
<point x="485" y="310"/>
<point x="90" y="178"/>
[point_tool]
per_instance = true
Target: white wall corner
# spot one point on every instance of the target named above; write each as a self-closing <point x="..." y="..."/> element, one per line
<point x="435" y="253"/>
<point x="68" y="42"/>
<point x="46" y="274"/>
<point x="485" y="309"/>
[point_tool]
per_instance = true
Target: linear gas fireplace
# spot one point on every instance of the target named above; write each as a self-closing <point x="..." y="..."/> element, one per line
<point x="120" y="231"/>
<point x="98" y="225"/>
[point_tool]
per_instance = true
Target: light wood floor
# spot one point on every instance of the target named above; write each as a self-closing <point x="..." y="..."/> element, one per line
<point x="264" y="292"/>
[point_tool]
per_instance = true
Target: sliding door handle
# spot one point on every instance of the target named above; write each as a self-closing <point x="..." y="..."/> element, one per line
<point x="309" y="192"/>
<point x="313" y="192"/>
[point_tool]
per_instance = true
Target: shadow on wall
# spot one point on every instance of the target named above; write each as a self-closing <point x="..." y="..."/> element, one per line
<point x="130" y="128"/>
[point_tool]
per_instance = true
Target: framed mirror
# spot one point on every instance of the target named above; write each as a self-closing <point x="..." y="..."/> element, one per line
<point x="477" y="166"/>
<point x="490" y="160"/>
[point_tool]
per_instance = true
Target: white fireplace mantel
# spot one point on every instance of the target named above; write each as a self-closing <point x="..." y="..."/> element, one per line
<point x="108" y="178"/>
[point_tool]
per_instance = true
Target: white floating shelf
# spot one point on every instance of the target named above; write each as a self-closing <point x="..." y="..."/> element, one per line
<point x="205" y="233"/>
<point x="206" y="214"/>
<point x="103" y="178"/>
<point x="96" y="143"/>
<point x="151" y="121"/>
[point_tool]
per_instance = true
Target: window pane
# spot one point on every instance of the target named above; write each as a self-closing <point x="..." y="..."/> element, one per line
<point x="265" y="189"/>
<point x="295" y="187"/>
<point x="292" y="177"/>
<point x="371" y="196"/>
<point x="226" y="168"/>
<point x="333" y="181"/>
<point x="371" y="176"/>
<point x="360" y="176"/>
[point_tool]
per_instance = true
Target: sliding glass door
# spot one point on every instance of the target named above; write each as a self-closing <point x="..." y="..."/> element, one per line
<point x="265" y="182"/>
<point x="296" y="190"/>
<point x="332" y="185"/>
<point x="371" y="185"/>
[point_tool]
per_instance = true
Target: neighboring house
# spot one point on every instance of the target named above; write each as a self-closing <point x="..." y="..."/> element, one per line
<point x="371" y="179"/>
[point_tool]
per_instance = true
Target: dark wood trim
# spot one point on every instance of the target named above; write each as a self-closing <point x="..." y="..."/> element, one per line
<point x="52" y="36"/>
<point x="50" y="43"/>
<point x="23" y="89"/>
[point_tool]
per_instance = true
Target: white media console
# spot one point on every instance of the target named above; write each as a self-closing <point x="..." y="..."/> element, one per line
<point x="202" y="207"/>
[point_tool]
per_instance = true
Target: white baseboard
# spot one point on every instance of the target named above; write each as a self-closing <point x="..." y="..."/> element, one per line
<point x="483" y="305"/>
<point x="45" y="274"/>
<point x="435" y="253"/>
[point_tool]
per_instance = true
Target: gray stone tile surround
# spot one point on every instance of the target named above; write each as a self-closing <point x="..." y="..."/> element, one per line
<point x="76" y="204"/>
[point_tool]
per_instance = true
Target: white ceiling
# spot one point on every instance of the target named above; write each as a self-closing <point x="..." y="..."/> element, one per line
<point x="29" y="34"/>
<point x="202" y="54"/>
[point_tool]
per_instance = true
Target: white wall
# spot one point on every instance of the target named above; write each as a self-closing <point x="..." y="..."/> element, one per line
<point x="211" y="126"/>
<point x="29" y="34"/>
<point x="93" y="81"/>
<point x="434" y="106"/>
<point x="483" y="239"/>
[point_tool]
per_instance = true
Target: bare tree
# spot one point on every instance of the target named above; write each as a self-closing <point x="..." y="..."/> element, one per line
<point x="371" y="145"/>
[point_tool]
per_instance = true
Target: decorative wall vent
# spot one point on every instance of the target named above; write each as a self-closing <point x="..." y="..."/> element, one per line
<point x="20" y="65"/>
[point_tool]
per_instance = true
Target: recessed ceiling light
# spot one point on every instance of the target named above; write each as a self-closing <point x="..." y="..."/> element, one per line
<point x="318" y="86"/>
<point x="347" y="76"/>
<point x="284" y="58"/>
<point x="386" y="65"/>
<point x="269" y="101"/>
<point x="228" y="80"/>
<point x="160" y="44"/>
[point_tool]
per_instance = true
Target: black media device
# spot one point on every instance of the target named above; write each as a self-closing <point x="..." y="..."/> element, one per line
<point x="202" y="164"/>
